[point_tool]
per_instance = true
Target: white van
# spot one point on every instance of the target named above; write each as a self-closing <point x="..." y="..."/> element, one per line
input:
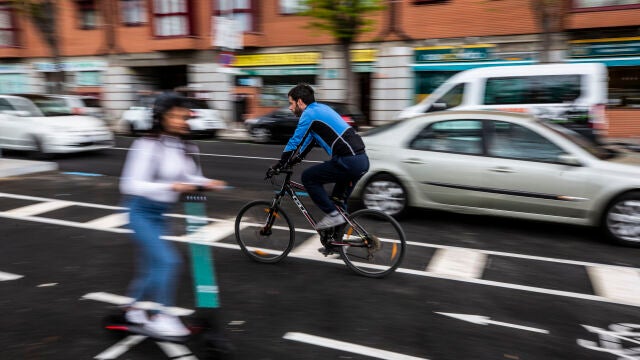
<point x="573" y="95"/>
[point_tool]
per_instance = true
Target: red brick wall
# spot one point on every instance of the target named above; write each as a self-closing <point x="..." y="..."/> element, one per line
<point x="623" y="122"/>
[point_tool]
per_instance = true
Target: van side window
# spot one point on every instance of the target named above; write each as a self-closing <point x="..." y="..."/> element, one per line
<point x="507" y="140"/>
<point x="548" y="89"/>
<point x="456" y="136"/>
<point x="450" y="99"/>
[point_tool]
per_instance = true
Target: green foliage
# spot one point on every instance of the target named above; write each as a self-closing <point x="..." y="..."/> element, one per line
<point x="343" y="19"/>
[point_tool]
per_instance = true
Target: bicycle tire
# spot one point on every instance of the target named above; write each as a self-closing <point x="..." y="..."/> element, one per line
<point x="263" y="248"/>
<point x="365" y="259"/>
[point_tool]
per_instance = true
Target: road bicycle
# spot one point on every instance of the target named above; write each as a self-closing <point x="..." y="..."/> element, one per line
<point x="370" y="242"/>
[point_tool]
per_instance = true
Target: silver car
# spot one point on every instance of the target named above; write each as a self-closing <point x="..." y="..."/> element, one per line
<point x="505" y="164"/>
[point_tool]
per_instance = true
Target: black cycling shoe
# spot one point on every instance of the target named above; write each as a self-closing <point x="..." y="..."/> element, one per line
<point x="328" y="250"/>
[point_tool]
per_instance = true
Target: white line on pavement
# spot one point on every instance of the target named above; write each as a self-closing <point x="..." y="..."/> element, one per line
<point x="458" y="262"/>
<point x="176" y="351"/>
<point x="110" y="221"/>
<point x="120" y="347"/>
<point x="39" y="208"/>
<point x="618" y="284"/>
<point x="5" y="276"/>
<point x="348" y="347"/>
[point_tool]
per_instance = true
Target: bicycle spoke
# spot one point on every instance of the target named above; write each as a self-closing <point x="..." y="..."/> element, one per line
<point x="264" y="235"/>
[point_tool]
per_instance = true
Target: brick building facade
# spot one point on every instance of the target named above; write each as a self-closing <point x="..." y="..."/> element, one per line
<point x="118" y="49"/>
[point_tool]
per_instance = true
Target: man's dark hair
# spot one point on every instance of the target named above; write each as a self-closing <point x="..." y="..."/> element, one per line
<point x="302" y="91"/>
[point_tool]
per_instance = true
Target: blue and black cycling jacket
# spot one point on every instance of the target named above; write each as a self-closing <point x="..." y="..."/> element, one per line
<point x="320" y="124"/>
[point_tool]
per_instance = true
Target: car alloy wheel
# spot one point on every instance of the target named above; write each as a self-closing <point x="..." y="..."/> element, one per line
<point x="622" y="219"/>
<point x="261" y="135"/>
<point x="385" y="193"/>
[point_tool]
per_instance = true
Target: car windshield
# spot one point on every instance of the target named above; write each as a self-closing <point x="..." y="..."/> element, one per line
<point x="52" y="106"/>
<point x="598" y="151"/>
<point x="25" y="105"/>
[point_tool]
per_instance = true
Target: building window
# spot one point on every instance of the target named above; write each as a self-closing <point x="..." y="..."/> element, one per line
<point x="88" y="14"/>
<point x="8" y="32"/>
<point x="133" y="12"/>
<point x="292" y="6"/>
<point x="591" y="5"/>
<point x="13" y="83"/>
<point x="171" y="18"/>
<point x="243" y="11"/>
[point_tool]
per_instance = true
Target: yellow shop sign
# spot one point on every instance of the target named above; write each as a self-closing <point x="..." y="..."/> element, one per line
<point x="301" y="58"/>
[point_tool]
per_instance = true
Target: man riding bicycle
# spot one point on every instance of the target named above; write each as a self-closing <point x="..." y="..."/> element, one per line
<point x="320" y="125"/>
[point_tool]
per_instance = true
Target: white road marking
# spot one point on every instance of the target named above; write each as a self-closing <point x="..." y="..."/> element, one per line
<point x="5" y="276"/>
<point x="39" y="208"/>
<point x="120" y="347"/>
<point x="336" y="261"/>
<point x="464" y="263"/>
<point x="110" y="221"/>
<point x="234" y="156"/>
<point x="120" y="300"/>
<point x="348" y="347"/>
<point x="309" y="248"/>
<point x="175" y="351"/>
<point x="484" y="320"/>
<point x="213" y="232"/>
<point x="617" y="284"/>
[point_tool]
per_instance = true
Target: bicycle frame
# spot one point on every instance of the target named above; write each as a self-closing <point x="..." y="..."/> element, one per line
<point x="287" y="188"/>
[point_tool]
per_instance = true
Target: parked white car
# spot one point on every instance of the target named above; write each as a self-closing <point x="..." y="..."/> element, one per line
<point x="45" y="125"/>
<point x="204" y="120"/>
<point x="504" y="164"/>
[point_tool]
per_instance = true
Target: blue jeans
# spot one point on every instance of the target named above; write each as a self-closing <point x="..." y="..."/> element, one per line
<point x="158" y="261"/>
<point x="344" y="171"/>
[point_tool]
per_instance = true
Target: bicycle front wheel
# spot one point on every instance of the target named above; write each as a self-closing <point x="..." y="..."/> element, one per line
<point x="375" y="245"/>
<point x="264" y="233"/>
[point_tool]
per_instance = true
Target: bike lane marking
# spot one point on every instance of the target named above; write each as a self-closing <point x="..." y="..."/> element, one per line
<point x="121" y="347"/>
<point x="38" y="208"/>
<point x="599" y="298"/>
<point x="619" y="284"/>
<point x="110" y="221"/>
<point x="348" y="347"/>
<point x="458" y="262"/>
<point x="5" y="276"/>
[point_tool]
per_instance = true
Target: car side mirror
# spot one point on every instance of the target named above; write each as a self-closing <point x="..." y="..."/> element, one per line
<point x="568" y="159"/>
<point x="439" y="106"/>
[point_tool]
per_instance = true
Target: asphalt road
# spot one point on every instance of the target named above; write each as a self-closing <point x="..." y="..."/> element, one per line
<point x="538" y="285"/>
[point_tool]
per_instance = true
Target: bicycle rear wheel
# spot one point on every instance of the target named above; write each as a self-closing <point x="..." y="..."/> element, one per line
<point x="261" y="241"/>
<point x="375" y="245"/>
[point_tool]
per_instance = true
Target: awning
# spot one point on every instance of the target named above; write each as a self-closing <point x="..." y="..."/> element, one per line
<point x="459" y="66"/>
<point x="613" y="61"/>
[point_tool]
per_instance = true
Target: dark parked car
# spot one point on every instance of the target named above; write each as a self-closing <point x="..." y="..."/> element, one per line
<point x="280" y="124"/>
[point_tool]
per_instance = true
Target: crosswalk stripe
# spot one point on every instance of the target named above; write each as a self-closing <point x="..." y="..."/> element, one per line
<point x="617" y="284"/>
<point x="5" y="276"/>
<point x="458" y="262"/>
<point x="39" y="208"/>
<point x="213" y="232"/>
<point x="120" y="347"/>
<point x="309" y="248"/>
<point x="110" y="221"/>
<point x="175" y="351"/>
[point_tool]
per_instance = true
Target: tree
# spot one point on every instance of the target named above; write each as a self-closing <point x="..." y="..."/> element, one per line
<point x="549" y="15"/>
<point x="43" y="15"/>
<point x="345" y="20"/>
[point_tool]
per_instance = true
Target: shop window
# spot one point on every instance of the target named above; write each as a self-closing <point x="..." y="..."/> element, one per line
<point x="532" y="90"/>
<point x="133" y="12"/>
<point x="171" y="18"/>
<point x="8" y="31"/>
<point x="597" y="5"/>
<point x="292" y="6"/>
<point x="88" y="78"/>
<point x="243" y="11"/>
<point x="13" y="83"/>
<point x="87" y="14"/>
<point x="624" y="87"/>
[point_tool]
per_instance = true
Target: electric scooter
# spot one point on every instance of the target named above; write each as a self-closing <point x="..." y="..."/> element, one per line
<point x="204" y="324"/>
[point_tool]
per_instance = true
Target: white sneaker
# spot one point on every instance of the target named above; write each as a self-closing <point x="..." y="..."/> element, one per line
<point x="136" y="316"/>
<point x="167" y="325"/>
<point x="330" y="221"/>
